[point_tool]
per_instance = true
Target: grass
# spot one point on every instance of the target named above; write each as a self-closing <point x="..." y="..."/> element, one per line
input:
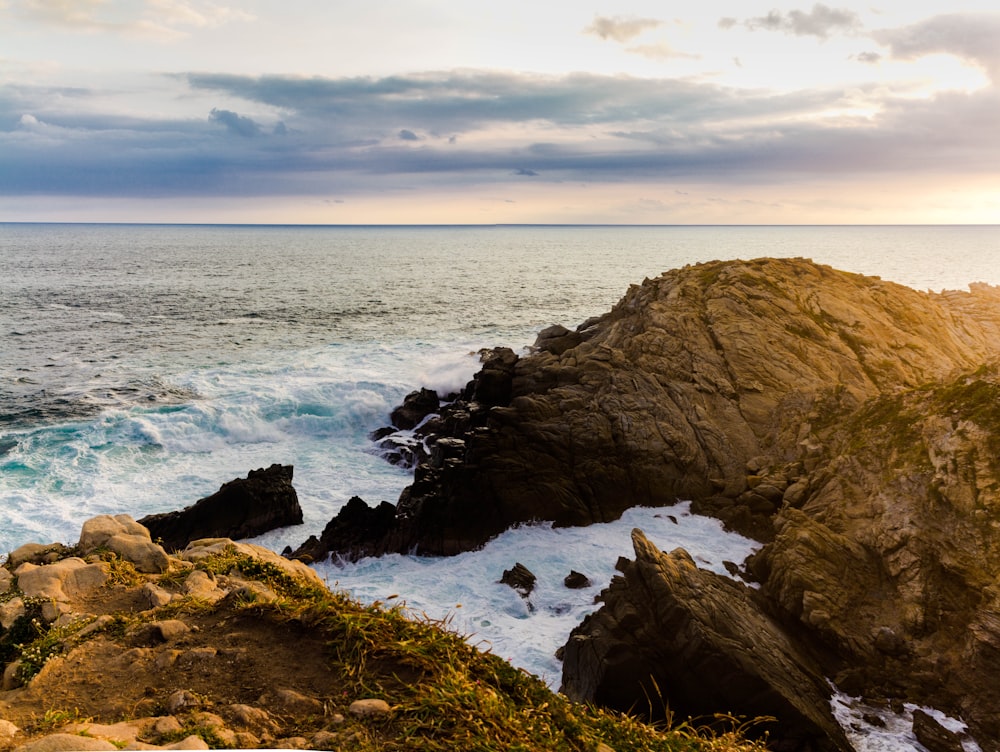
<point x="444" y="693"/>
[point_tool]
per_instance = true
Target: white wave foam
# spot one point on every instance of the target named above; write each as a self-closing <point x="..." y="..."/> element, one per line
<point x="890" y="731"/>
<point x="528" y="632"/>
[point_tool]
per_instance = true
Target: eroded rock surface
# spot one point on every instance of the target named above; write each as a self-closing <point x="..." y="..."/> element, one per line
<point x="704" y="644"/>
<point x="707" y="383"/>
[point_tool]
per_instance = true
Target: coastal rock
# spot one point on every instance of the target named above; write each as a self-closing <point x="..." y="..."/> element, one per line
<point x="669" y="395"/>
<point x="61" y="581"/>
<point x="123" y="536"/>
<point x="576" y="580"/>
<point x="416" y="406"/>
<point x="519" y="578"/>
<point x="241" y="508"/>
<point x="357" y="530"/>
<point x="849" y="424"/>
<point x="700" y="643"/>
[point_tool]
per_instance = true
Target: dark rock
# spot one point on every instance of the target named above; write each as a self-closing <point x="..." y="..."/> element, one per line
<point x="520" y="578"/>
<point x="575" y="580"/>
<point x="242" y="508"/>
<point x="557" y="339"/>
<point x="700" y="643"/>
<point x="353" y="533"/>
<point x="416" y="406"/>
<point x="933" y="735"/>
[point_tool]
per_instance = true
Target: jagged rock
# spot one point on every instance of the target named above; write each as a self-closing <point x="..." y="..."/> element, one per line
<point x="125" y="537"/>
<point x="669" y="395"/>
<point x="6" y="578"/>
<point x="705" y="643"/>
<point x="416" y="406"/>
<point x="520" y="578"/>
<point x="576" y="580"/>
<point x="934" y="736"/>
<point x="355" y="530"/>
<point x="241" y="508"/>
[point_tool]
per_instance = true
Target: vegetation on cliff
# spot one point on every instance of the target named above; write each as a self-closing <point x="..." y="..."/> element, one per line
<point x="246" y="650"/>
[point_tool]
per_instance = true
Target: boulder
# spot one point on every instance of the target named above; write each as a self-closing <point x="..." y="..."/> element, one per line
<point x="63" y="581"/>
<point x="356" y="530"/>
<point x="520" y="578"/>
<point x="201" y="549"/>
<point x="125" y="537"/>
<point x="670" y="635"/>
<point x="576" y="580"/>
<point x="416" y="406"/>
<point x="241" y="508"/>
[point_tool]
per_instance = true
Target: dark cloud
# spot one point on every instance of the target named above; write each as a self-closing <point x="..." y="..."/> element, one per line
<point x="408" y="135"/>
<point x="974" y="37"/>
<point x="868" y="57"/>
<point x="620" y="28"/>
<point x="342" y="136"/>
<point x="241" y="126"/>
<point x="821" y="22"/>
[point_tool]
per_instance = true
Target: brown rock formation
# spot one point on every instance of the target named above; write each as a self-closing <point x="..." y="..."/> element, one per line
<point x="850" y="423"/>
<point x="704" y="644"/>
<point x="701" y="384"/>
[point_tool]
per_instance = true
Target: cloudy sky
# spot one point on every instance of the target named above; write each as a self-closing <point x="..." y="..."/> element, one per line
<point x="438" y="111"/>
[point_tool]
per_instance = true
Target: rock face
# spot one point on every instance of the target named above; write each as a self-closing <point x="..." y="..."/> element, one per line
<point x="705" y="384"/>
<point x="704" y="644"/>
<point x="850" y="424"/>
<point x="241" y="508"/>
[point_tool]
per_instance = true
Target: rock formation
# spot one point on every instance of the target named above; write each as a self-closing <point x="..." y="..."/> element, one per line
<point x="702" y="384"/>
<point x="241" y="508"/>
<point x="850" y="424"/>
<point x="701" y="643"/>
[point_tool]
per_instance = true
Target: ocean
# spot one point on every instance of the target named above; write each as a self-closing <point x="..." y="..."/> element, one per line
<point x="145" y="365"/>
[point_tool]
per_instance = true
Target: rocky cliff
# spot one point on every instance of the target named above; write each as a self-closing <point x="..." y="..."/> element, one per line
<point x="689" y="380"/>
<point x="851" y="424"/>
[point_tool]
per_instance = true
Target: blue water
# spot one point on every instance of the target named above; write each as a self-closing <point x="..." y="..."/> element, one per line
<point x="142" y="366"/>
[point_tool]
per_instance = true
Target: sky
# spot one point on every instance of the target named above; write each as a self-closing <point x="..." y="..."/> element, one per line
<point x="446" y="112"/>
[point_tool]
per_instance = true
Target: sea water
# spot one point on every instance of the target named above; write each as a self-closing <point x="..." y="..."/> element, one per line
<point x="141" y="366"/>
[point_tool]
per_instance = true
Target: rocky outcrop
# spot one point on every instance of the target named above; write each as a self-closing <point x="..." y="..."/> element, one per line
<point x="702" y="384"/>
<point x="241" y="508"/>
<point x="678" y="639"/>
<point x="848" y="423"/>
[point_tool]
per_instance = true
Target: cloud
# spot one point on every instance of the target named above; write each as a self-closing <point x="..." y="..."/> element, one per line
<point x="241" y="126"/>
<point x="341" y="136"/>
<point x="408" y="135"/>
<point x="870" y="58"/>
<point x="620" y="28"/>
<point x="970" y="36"/>
<point x="820" y="22"/>
<point x="163" y="19"/>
